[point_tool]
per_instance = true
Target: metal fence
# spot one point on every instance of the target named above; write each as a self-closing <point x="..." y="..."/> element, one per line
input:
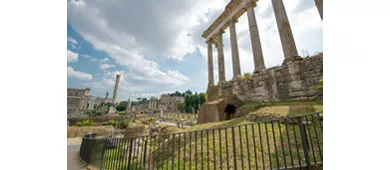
<point x="290" y="143"/>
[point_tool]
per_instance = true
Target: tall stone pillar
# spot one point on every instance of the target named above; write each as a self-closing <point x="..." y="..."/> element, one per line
<point x="150" y="104"/>
<point x="319" y="7"/>
<point x="285" y="33"/>
<point x="105" y="99"/>
<point x="128" y="104"/>
<point x="116" y="89"/>
<point x="258" y="58"/>
<point x="210" y="62"/>
<point x="221" y="60"/>
<point x="234" y="46"/>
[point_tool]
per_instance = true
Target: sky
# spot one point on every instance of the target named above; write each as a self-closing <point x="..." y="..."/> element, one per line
<point x="157" y="48"/>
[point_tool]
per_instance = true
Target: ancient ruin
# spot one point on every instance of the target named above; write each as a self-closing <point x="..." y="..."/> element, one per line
<point x="296" y="79"/>
<point x="79" y="100"/>
<point x="112" y="108"/>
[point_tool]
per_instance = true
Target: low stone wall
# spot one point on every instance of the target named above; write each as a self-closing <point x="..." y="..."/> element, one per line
<point x="96" y="120"/>
<point x="295" y="80"/>
<point x="81" y="131"/>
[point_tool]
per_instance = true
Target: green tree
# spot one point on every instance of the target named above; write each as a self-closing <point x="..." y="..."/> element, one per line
<point x="121" y="106"/>
<point x="202" y="98"/>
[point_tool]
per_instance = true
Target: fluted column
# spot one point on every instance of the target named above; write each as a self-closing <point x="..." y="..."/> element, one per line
<point x="285" y="33"/>
<point x="221" y="60"/>
<point x="234" y="46"/>
<point x="319" y="7"/>
<point x="210" y="62"/>
<point x="258" y="58"/>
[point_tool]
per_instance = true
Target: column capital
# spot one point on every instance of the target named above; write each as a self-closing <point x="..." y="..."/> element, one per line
<point x="250" y="4"/>
<point x="232" y="21"/>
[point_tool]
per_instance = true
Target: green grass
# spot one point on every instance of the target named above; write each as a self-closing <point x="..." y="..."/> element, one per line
<point x="163" y="147"/>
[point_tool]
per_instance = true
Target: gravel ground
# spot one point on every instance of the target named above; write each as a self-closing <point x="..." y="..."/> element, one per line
<point x="73" y="159"/>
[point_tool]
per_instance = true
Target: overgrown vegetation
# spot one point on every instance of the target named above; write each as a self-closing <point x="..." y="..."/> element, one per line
<point x="247" y="76"/>
<point x="110" y="123"/>
<point x="123" y="124"/>
<point x="84" y="123"/>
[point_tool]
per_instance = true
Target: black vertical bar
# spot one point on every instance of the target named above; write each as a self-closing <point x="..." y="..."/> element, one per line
<point x="234" y="149"/>
<point x="320" y="121"/>
<point x="111" y="143"/>
<point x="254" y="146"/>
<point x="173" y="151"/>
<point x="281" y="140"/>
<point x="178" y="162"/>
<point x="196" y="154"/>
<point x="130" y="153"/>
<point x="150" y="151"/>
<point x="158" y="161"/>
<point x="207" y="144"/>
<point x="118" y="150"/>
<point x="220" y="148"/>
<point x="241" y="154"/>
<point x="269" y="149"/>
<point x="247" y="147"/>
<point x="102" y="156"/>
<point x="215" y="166"/>
<point x="276" y="149"/>
<point x="304" y="142"/>
<point x="261" y="145"/>
<point x="184" y="152"/>
<point x="167" y="150"/>
<point x="311" y="140"/>
<point x="122" y="152"/>
<point x="154" y="151"/>
<point x="201" y="149"/>
<point x="296" y="144"/>
<point x="145" y="151"/>
<point x="315" y="131"/>
<point x="289" y="144"/>
<point x="189" y="160"/>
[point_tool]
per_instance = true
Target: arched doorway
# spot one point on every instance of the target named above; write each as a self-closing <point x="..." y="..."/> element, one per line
<point x="230" y="109"/>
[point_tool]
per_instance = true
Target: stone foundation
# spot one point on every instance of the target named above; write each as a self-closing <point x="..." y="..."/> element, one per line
<point x="295" y="80"/>
<point x="212" y="112"/>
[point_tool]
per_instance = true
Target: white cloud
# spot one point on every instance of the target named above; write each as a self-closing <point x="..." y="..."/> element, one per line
<point x="78" y="75"/>
<point x="173" y="28"/>
<point x="106" y="66"/>
<point x="72" y="56"/>
<point x="71" y="40"/>
<point x="104" y="60"/>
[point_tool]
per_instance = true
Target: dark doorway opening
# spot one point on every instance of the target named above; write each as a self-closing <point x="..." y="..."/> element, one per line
<point x="229" y="111"/>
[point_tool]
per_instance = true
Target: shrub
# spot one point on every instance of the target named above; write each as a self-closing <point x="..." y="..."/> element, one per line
<point x="111" y="122"/>
<point x="123" y="124"/>
<point x="122" y="113"/>
<point x="84" y="123"/>
<point x="248" y="76"/>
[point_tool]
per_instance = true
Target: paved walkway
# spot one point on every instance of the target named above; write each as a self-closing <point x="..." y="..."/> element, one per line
<point x="74" y="162"/>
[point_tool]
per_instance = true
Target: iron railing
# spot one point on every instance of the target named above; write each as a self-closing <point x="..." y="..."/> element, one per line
<point x="289" y="143"/>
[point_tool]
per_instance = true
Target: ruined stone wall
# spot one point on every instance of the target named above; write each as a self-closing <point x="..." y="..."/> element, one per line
<point x="294" y="80"/>
<point x="170" y="103"/>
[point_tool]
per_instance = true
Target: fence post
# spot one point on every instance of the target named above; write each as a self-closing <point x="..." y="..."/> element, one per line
<point x="145" y="151"/>
<point x="304" y="142"/>
<point x="102" y="156"/>
<point x="131" y="150"/>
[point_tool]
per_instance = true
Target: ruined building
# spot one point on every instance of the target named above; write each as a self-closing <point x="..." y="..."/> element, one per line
<point x="79" y="100"/>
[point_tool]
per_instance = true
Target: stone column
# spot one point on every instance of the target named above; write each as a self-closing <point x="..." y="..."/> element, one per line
<point x="221" y="60"/>
<point x="319" y="7"/>
<point x="257" y="51"/>
<point x="285" y="33"/>
<point x="116" y="88"/>
<point x="210" y="62"/>
<point x="150" y="104"/>
<point x="106" y="97"/>
<point x="128" y="104"/>
<point x="235" y="56"/>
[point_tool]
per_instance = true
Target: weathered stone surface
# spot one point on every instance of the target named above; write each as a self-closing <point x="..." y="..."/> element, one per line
<point x="294" y="80"/>
<point x="212" y="112"/>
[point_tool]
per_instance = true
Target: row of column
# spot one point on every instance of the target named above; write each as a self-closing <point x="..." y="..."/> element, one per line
<point x="152" y="104"/>
<point x="285" y="34"/>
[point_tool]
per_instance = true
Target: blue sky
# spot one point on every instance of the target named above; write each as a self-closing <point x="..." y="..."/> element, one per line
<point x="157" y="46"/>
